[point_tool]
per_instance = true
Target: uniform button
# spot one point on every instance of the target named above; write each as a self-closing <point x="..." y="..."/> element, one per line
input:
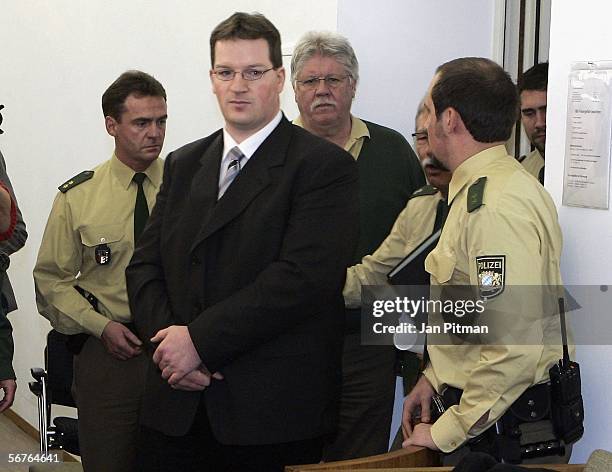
<point x="453" y="444"/>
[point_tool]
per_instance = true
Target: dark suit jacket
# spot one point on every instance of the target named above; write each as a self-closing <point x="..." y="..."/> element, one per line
<point x="14" y="243"/>
<point x="257" y="277"/>
<point x="6" y="347"/>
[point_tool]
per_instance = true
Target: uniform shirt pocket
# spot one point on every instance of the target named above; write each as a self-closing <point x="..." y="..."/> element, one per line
<point x="105" y="245"/>
<point x="92" y="236"/>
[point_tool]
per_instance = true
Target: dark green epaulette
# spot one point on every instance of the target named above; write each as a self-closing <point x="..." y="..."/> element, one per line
<point x="475" y="194"/>
<point x="426" y="190"/>
<point x="76" y="180"/>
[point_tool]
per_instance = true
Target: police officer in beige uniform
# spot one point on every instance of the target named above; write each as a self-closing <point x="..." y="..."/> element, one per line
<point x="501" y="231"/>
<point x="532" y="92"/>
<point x="80" y="271"/>
<point x="413" y="225"/>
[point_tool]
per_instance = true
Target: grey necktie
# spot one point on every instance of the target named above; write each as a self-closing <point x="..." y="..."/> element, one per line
<point x="233" y="168"/>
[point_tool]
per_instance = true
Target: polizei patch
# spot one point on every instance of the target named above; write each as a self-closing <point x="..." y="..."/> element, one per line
<point x="491" y="271"/>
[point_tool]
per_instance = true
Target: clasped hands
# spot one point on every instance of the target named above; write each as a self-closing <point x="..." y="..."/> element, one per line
<point x="418" y="434"/>
<point x="179" y="362"/>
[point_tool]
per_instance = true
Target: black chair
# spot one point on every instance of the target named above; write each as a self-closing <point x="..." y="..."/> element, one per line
<point x="53" y="386"/>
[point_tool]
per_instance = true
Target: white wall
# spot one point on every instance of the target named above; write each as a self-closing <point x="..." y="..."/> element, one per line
<point x="57" y="59"/>
<point x="399" y="44"/>
<point x="59" y="56"/>
<point x="581" y="31"/>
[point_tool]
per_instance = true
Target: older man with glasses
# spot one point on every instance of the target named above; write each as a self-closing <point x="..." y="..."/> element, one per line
<point x="324" y="73"/>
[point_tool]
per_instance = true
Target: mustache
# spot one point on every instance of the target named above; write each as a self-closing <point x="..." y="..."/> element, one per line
<point x="433" y="161"/>
<point x="321" y="101"/>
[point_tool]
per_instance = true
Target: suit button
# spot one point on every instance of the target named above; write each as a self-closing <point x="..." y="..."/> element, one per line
<point x="195" y="260"/>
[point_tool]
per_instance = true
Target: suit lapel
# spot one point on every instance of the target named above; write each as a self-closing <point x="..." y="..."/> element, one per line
<point x="204" y="184"/>
<point x="251" y="181"/>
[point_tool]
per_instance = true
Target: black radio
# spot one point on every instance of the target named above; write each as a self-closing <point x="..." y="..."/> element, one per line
<point x="567" y="407"/>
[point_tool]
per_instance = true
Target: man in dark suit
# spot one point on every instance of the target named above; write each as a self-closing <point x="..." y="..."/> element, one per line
<point x="8" y="386"/>
<point x="8" y="246"/>
<point x="237" y="279"/>
<point x="14" y="243"/>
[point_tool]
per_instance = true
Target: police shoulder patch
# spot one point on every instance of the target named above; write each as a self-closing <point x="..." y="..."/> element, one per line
<point x="491" y="274"/>
<point x="425" y="190"/>
<point x="476" y="194"/>
<point x="76" y="180"/>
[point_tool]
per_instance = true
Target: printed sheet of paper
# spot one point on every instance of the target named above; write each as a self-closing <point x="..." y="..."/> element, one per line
<point x="586" y="180"/>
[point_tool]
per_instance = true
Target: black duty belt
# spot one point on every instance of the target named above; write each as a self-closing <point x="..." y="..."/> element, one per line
<point x="75" y="342"/>
<point x="502" y="439"/>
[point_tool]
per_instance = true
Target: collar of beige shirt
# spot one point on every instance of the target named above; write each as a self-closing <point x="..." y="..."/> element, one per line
<point x="124" y="174"/>
<point x="359" y="131"/>
<point x="466" y="171"/>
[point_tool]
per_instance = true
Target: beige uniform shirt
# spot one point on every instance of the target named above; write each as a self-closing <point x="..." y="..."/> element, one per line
<point x="533" y="163"/>
<point x="97" y="211"/>
<point x="359" y="131"/>
<point x="413" y="225"/>
<point x="517" y="222"/>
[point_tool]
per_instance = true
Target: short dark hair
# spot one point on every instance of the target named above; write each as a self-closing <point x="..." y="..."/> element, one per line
<point x="482" y="93"/>
<point x="131" y="82"/>
<point x="248" y="26"/>
<point x="535" y="78"/>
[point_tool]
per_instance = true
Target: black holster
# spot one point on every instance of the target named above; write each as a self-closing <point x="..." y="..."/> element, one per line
<point x="503" y="439"/>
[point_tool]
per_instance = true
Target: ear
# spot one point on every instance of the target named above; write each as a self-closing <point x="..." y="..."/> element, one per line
<point x="212" y="80"/>
<point x="295" y="93"/>
<point x="280" y="74"/>
<point x="452" y="121"/>
<point x="111" y="125"/>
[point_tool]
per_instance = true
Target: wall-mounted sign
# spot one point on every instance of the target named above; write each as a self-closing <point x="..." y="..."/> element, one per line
<point x="586" y="177"/>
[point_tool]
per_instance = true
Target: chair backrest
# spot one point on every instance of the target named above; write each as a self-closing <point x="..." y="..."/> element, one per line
<point x="58" y="363"/>
<point x="409" y="457"/>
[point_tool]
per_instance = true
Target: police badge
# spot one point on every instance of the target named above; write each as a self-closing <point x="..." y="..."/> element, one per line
<point x="102" y="253"/>
<point x="491" y="272"/>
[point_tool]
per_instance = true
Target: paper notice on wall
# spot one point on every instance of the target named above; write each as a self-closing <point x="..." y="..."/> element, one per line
<point x="586" y="179"/>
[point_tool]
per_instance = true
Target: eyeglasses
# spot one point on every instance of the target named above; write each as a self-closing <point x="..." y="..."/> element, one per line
<point x="420" y="136"/>
<point x="247" y="74"/>
<point x="332" y="81"/>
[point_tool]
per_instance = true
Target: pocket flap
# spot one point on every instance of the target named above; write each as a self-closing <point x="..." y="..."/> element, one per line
<point x="102" y="234"/>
